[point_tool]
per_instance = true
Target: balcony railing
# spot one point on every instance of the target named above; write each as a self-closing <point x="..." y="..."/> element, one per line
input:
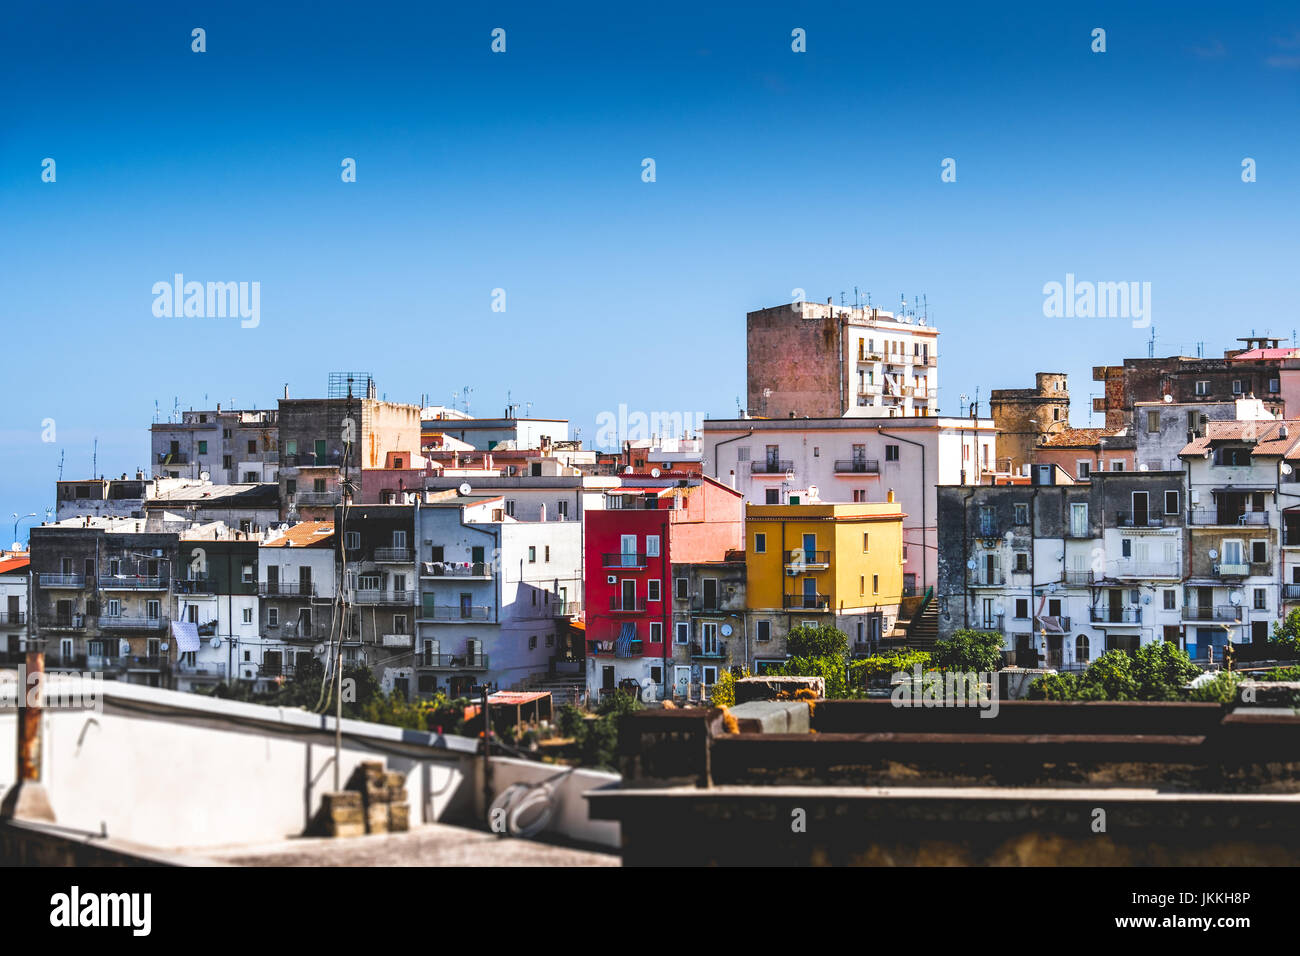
<point x="807" y="602"/>
<point x="12" y="618"/>
<point x="202" y="670"/>
<point x="857" y="466"/>
<point x="1062" y="622"/>
<point x="65" y="622"/>
<point x="371" y="597"/>
<point x="318" y="498"/>
<point x="1120" y="615"/>
<point x="62" y="580"/>
<point x="285" y="589"/>
<point x="799" y="558"/>
<point x="457" y="569"/>
<point x="132" y="582"/>
<point x="394" y="555"/>
<point x="123" y="623"/>
<point x="987" y="579"/>
<point x="717" y="652"/>
<point x="564" y="608"/>
<point x="297" y="631"/>
<point x="1228" y="518"/>
<point x="451" y="661"/>
<point x="623" y="559"/>
<point x="1078" y="578"/>
<point x="771" y="466"/>
<point x="1291" y="592"/>
<point x="619" y="605"/>
<point x="994" y="622"/>
<point x="1226" y="570"/>
<point x="1128" y="519"/>
<point x="194" y="586"/>
<point x="1221" y="612"/>
<point x="454" y="612"/>
<point x="173" y="458"/>
<point x="1151" y="569"/>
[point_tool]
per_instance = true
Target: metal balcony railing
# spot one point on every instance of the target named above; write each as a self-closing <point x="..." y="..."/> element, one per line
<point x="452" y="612"/>
<point x="194" y="586"/>
<point x="1148" y="569"/>
<point x="1129" y="519"/>
<point x="12" y="618"/>
<point x="624" y="559"/>
<point x="857" y="466"/>
<point x="771" y="466"/>
<point x="286" y="589"/>
<point x="987" y="579"/>
<point x="1228" y="517"/>
<point x="372" y="597"/>
<point x="202" y="670"/>
<point x="318" y="498"/>
<point x="394" y="555"/>
<point x="619" y="605"/>
<point x="124" y="623"/>
<point x="1291" y="592"/>
<point x="1122" y="615"/>
<point x="451" y="661"/>
<point x="799" y="558"/>
<point x="1078" y="578"/>
<point x="173" y="458"/>
<point x="807" y="602"/>
<point x="717" y="652"/>
<point x="131" y="582"/>
<point x="56" y="580"/>
<point x="457" y="569"/>
<point x="1221" y="612"/>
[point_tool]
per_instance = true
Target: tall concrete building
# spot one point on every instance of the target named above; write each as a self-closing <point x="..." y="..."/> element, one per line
<point x="826" y="361"/>
<point x="1025" y="417"/>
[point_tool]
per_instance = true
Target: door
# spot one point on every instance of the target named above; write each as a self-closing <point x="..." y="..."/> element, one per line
<point x="810" y="549"/>
<point x="709" y="638"/>
<point x="607" y="677"/>
<point x="304" y="579"/>
<point x="627" y="549"/>
<point x="1259" y="633"/>
<point x="1140" y="508"/>
<point x="710" y="593"/>
<point x="628" y="597"/>
<point x="809" y="592"/>
<point x="1116" y="608"/>
<point x="272" y="579"/>
<point x="681" y="681"/>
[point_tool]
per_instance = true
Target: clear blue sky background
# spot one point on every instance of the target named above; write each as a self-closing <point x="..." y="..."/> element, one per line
<point x="775" y="170"/>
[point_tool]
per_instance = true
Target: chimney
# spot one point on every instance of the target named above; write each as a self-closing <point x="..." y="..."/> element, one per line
<point x="286" y="389"/>
<point x="890" y="497"/>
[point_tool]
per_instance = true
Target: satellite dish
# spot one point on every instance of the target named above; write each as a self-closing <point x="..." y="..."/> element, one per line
<point x="1144" y="468"/>
<point x="812" y="491"/>
<point x="1146" y="599"/>
<point x="1286" y="469"/>
<point x="1214" y="553"/>
<point x="464" y="487"/>
<point x="654" y="472"/>
<point x="971" y="565"/>
<point x="627" y="470"/>
<point x="726" y="630"/>
<point x="204" y="476"/>
<point x="1051" y="587"/>
<point x="216" y="642"/>
<point x="1168" y="399"/>
<point x="318" y="650"/>
<point x="1235" y="597"/>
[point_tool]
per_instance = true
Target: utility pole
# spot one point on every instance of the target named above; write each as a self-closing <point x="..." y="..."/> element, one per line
<point x="338" y="718"/>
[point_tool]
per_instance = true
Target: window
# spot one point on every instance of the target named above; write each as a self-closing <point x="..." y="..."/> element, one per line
<point x="114" y="607"/>
<point x="653" y="587"/>
<point x="320" y="450"/>
<point x="1171" y="599"/>
<point x="1078" y="520"/>
<point x="203" y="448"/>
<point x="1022" y="607"/>
<point x="862" y="585"/>
<point x="248" y="615"/>
<point x="1203" y="388"/>
<point x="1261" y="599"/>
<point x="762" y="630"/>
<point x="1082" y="469"/>
<point x="290" y="486"/>
<point x="1117" y="464"/>
<point x="1126" y="547"/>
<point x="562" y="508"/>
<point x="1022" y="513"/>
<point x="760" y="543"/>
<point x="772" y="496"/>
<point x="891" y="453"/>
<point x="246" y="572"/>
<point x="532" y="554"/>
<point x="1153" y="421"/>
<point x="368" y="582"/>
<point x="866" y="542"/>
<point x="860" y="496"/>
<point x="1171" y="502"/>
<point x="291" y="446"/>
<point x="532" y="643"/>
<point x="1259" y="552"/>
<point x="1236" y="386"/>
<point x="1081" y="648"/>
<point x="510" y="507"/>
<point x="273" y="616"/>
<point x="652" y="546"/>
<point x="399" y="624"/>
<point x="153" y="609"/>
<point x="1274" y="386"/>
<point x="683" y="589"/>
<point x="1022" y="561"/>
<point x="683" y="633"/>
<point x="656" y="632"/>
<point x="546" y="553"/>
<point x="318" y="485"/>
<point x="352" y="540"/>
<point x="742" y="453"/>
<point x="875" y="584"/>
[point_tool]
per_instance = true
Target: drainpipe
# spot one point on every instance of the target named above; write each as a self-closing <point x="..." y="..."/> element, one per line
<point x="727" y="441"/>
<point x="965" y="557"/>
<point x="924" y="492"/>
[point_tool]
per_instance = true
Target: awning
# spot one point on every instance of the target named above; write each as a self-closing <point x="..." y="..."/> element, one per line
<point x="623" y="644"/>
<point x="1052" y="625"/>
<point x="186" y="635"/>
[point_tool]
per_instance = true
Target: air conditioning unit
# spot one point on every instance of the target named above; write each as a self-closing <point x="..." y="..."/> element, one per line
<point x="792" y="572"/>
<point x="611" y="579"/>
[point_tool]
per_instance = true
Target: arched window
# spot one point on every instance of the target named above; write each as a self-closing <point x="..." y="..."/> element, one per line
<point x="1081" y="648"/>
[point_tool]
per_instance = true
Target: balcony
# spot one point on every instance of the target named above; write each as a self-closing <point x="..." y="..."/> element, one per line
<point x="396" y="640"/>
<point x="144" y="662"/>
<point x="1118" y="615"/>
<point x="466" y="661"/>
<point x="317" y="499"/>
<point x="122" y="623"/>
<point x="1228" y="518"/>
<point x="297" y="631"/>
<point x="194" y="586"/>
<point x="1157" y="569"/>
<point x="857" y="466"/>
<point x="717" y="652"/>
<point x="1061" y="625"/>
<point x="634" y="648"/>
<point x="133" y="582"/>
<point x="1221" y="612"/>
<point x="371" y="597"/>
<point x="62" y="580"/>
<point x="1078" y="578"/>
<point x="623" y="560"/>
<point x="1291" y="592"/>
<point x="280" y="589"/>
<point x="771" y="466"/>
<point x="564" y="608"/>
<point x="454" y="612"/>
<point x="992" y="623"/>
<point x="987" y="579"/>
<point x="618" y="605"/>
<point x="457" y="569"/>
<point x="1129" y="519"/>
<point x="394" y="556"/>
<point x="801" y="560"/>
<point x="12" y="618"/>
<point x="202" y="670"/>
<point x="1225" y="570"/>
<point x="65" y="622"/>
<point x="806" y="602"/>
<point x="172" y="458"/>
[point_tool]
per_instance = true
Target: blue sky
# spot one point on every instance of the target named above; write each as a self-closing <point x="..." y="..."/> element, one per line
<point x="522" y="171"/>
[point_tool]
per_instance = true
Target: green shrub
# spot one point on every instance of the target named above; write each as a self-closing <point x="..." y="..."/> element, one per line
<point x="968" y="650"/>
<point x="1054" y="687"/>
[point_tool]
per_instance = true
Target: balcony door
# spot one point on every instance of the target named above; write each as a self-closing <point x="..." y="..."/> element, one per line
<point x="810" y="549"/>
<point x="627" y="549"/>
<point x="710" y="586"/>
<point x="628" y="594"/>
<point x="1141" y="508"/>
<point x="709" y="638"/>
<point x="810" y="592"/>
<point x="1116" y="606"/>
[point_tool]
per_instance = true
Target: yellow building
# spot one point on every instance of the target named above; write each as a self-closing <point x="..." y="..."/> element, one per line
<point x="836" y="564"/>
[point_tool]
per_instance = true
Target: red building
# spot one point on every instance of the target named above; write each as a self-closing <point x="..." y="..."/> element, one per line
<point x="630" y="547"/>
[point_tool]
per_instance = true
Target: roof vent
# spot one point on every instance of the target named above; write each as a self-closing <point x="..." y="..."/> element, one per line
<point x="1282" y="432"/>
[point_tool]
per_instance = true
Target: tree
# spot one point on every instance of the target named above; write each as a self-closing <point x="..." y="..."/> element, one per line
<point x="968" y="650"/>
<point x="830" y="669"/>
<point x="1109" y="677"/>
<point x="817" y="640"/>
<point x="1286" y="634"/>
<point x="1054" y="687"/>
<point x="1162" y="670"/>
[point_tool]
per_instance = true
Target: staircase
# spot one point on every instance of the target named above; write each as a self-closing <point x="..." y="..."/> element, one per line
<point x="923" y="631"/>
<point x="564" y="688"/>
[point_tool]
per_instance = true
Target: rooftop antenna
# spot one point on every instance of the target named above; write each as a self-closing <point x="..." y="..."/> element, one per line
<point x="61" y="454"/>
<point x="857" y="300"/>
<point x="94" y="460"/>
<point x="466" y="390"/>
<point x="925" y="308"/>
<point x="156" y="412"/>
<point x="841" y="298"/>
<point x="1200" y="350"/>
<point x="1151" y="344"/>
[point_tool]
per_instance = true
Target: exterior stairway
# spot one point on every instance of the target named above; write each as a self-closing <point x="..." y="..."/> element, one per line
<point x="923" y="631"/>
<point x="564" y="688"/>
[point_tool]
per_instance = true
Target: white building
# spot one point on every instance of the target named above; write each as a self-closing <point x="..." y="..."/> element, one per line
<point x="776" y="461"/>
<point x="14" y="582"/>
